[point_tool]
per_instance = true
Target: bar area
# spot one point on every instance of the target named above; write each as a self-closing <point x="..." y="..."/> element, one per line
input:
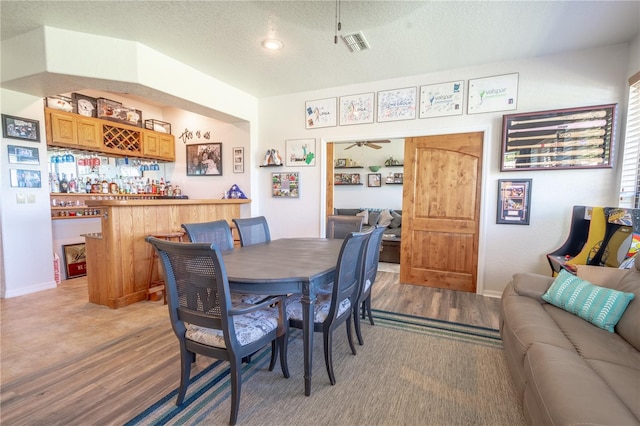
<point x="118" y="257"/>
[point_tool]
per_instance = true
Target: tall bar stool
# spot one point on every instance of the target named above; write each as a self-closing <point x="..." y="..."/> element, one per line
<point x="158" y="285"/>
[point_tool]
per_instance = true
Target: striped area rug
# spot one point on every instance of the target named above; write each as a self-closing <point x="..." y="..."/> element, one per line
<point x="410" y="371"/>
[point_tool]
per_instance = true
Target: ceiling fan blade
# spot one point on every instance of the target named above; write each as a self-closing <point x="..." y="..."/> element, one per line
<point x="374" y="146"/>
<point x="382" y="141"/>
<point x="350" y="146"/>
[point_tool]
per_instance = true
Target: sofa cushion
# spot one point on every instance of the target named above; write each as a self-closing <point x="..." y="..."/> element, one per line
<point x="600" y="306"/>
<point x="385" y="218"/>
<point x="566" y="391"/>
<point x="623" y="380"/>
<point x="347" y="212"/>
<point x="365" y="215"/>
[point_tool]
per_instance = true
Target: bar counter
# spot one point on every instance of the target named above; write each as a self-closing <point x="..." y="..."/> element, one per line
<point x="118" y="258"/>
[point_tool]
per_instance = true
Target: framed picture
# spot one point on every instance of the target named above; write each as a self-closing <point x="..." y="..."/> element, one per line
<point x="20" y="128"/>
<point x="238" y="160"/>
<point x="514" y="201"/>
<point x="573" y="138"/>
<point x="320" y="113"/>
<point x="205" y="159"/>
<point x="25" y="178"/>
<point x="439" y="100"/>
<point x="374" y="179"/>
<point x="489" y="94"/>
<point x="285" y="185"/>
<point x="356" y="109"/>
<point x="84" y="105"/>
<point x="341" y="162"/>
<point x="75" y="261"/>
<point x="23" y="155"/>
<point x="300" y="152"/>
<point x="397" y="104"/>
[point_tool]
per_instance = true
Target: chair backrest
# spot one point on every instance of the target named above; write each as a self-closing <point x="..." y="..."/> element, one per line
<point x="372" y="256"/>
<point x="254" y="230"/>
<point x="197" y="287"/>
<point x="217" y="232"/>
<point x="339" y="226"/>
<point x="348" y="270"/>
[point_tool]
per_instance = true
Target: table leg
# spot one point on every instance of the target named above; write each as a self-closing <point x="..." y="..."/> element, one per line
<point x="308" y="307"/>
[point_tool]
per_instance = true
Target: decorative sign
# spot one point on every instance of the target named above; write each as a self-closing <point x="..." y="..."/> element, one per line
<point x="398" y="104"/>
<point x="558" y="139"/>
<point x="356" y="109"/>
<point x="75" y="260"/>
<point x="320" y="113"/>
<point x="438" y="100"/>
<point x="514" y="201"/>
<point x="23" y="155"/>
<point x="499" y="93"/>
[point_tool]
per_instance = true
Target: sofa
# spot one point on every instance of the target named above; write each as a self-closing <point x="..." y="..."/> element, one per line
<point x="566" y="370"/>
<point x="392" y="219"/>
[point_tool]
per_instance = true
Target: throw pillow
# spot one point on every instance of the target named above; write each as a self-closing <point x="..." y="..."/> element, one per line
<point x="365" y="214"/>
<point x="396" y="222"/>
<point x="601" y="306"/>
<point x="385" y="218"/>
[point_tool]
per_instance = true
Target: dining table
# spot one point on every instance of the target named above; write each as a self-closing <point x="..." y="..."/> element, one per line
<point x="286" y="266"/>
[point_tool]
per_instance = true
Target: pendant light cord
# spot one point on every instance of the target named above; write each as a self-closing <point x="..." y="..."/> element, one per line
<point x="338" y="23"/>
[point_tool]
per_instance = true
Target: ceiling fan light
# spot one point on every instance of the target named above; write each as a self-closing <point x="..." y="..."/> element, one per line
<point x="272" y="44"/>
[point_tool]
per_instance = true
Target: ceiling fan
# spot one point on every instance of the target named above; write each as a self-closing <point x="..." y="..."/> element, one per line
<point x="370" y="144"/>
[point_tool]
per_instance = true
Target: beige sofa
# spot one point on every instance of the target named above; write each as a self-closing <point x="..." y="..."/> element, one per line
<point x="567" y="371"/>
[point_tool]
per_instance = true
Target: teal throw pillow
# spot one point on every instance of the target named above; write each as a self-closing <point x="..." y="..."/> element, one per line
<point x="601" y="306"/>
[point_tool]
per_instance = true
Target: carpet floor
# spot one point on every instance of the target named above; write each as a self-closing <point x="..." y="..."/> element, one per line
<point x="410" y="371"/>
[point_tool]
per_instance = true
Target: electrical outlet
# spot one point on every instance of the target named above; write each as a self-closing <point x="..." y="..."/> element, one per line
<point x="31" y="198"/>
<point x="20" y="198"/>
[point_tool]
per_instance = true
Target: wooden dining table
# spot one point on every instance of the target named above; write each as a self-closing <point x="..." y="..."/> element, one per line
<point x="286" y="266"/>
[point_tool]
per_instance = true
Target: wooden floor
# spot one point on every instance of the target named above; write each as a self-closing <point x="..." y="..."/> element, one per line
<point x="53" y="329"/>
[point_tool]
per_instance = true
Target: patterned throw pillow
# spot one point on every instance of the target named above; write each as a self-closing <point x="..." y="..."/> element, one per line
<point x="601" y="306"/>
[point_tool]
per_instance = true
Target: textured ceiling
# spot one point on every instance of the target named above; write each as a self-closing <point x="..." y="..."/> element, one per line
<point x="222" y="38"/>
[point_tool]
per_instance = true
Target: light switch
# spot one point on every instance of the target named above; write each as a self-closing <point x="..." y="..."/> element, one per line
<point x="31" y="198"/>
<point x="20" y="198"/>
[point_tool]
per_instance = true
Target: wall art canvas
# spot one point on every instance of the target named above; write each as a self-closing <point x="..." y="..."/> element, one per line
<point x="489" y="94"/>
<point x="285" y="185"/>
<point x="300" y="152"/>
<point x="438" y="100"/>
<point x="514" y="201"/>
<point x="320" y="113"/>
<point x="397" y="104"/>
<point x="357" y="109"/>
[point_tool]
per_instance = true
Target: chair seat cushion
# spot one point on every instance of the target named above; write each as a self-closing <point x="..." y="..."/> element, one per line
<point x="249" y="328"/>
<point x="323" y="303"/>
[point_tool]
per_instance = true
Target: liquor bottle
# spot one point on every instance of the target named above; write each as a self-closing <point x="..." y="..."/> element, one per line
<point x="64" y="184"/>
<point x="161" y="187"/>
<point x="87" y="185"/>
<point x="55" y="184"/>
<point x="104" y="186"/>
<point x="154" y="187"/>
<point x="73" y="184"/>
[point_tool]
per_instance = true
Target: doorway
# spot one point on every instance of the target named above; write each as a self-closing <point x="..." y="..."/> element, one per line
<point x="440" y="228"/>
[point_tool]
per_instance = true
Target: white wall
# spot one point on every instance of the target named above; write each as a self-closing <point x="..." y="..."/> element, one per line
<point x="581" y="78"/>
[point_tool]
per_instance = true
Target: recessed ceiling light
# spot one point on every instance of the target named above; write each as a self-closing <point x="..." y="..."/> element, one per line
<point x="272" y="44"/>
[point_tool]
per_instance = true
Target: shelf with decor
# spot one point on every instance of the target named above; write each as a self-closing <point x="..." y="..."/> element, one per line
<point x="347" y="179"/>
<point x="349" y="167"/>
<point x="71" y="205"/>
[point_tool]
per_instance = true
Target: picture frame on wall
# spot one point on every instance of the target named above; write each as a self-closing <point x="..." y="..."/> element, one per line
<point x="374" y="180"/>
<point x="23" y="155"/>
<point x="204" y="159"/>
<point x="75" y="260"/>
<point x="443" y="99"/>
<point x="285" y="185"/>
<point x="20" y="128"/>
<point x="397" y="104"/>
<point x="570" y="138"/>
<point x="20" y="178"/>
<point x="321" y="113"/>
<point x="514" y="201"/>
<point x="238" y="160"/>
<point x="300" y="152"/>
<point x="357" y="109"/>
<point x="489" y="94"/>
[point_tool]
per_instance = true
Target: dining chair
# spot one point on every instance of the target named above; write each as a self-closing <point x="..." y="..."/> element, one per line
<point x="335" y="308"/>
<point x="207" y="323"/>
<point x="339" y="226"/>
<point x="369" y="272"/>
<point x="253" y="230"/>
<point x="218" y="232"/>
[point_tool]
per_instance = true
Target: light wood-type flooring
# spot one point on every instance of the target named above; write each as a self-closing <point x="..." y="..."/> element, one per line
<point x="48" y="330"/>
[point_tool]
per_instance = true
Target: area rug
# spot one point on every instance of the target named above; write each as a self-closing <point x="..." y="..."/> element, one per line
<point x="410" y="371"/>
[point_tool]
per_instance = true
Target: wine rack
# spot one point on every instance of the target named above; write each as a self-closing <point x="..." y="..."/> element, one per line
<point x="122" y="139"/>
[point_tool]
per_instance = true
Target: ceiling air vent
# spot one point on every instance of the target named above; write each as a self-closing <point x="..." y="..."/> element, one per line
<point x="356" y="42"/>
